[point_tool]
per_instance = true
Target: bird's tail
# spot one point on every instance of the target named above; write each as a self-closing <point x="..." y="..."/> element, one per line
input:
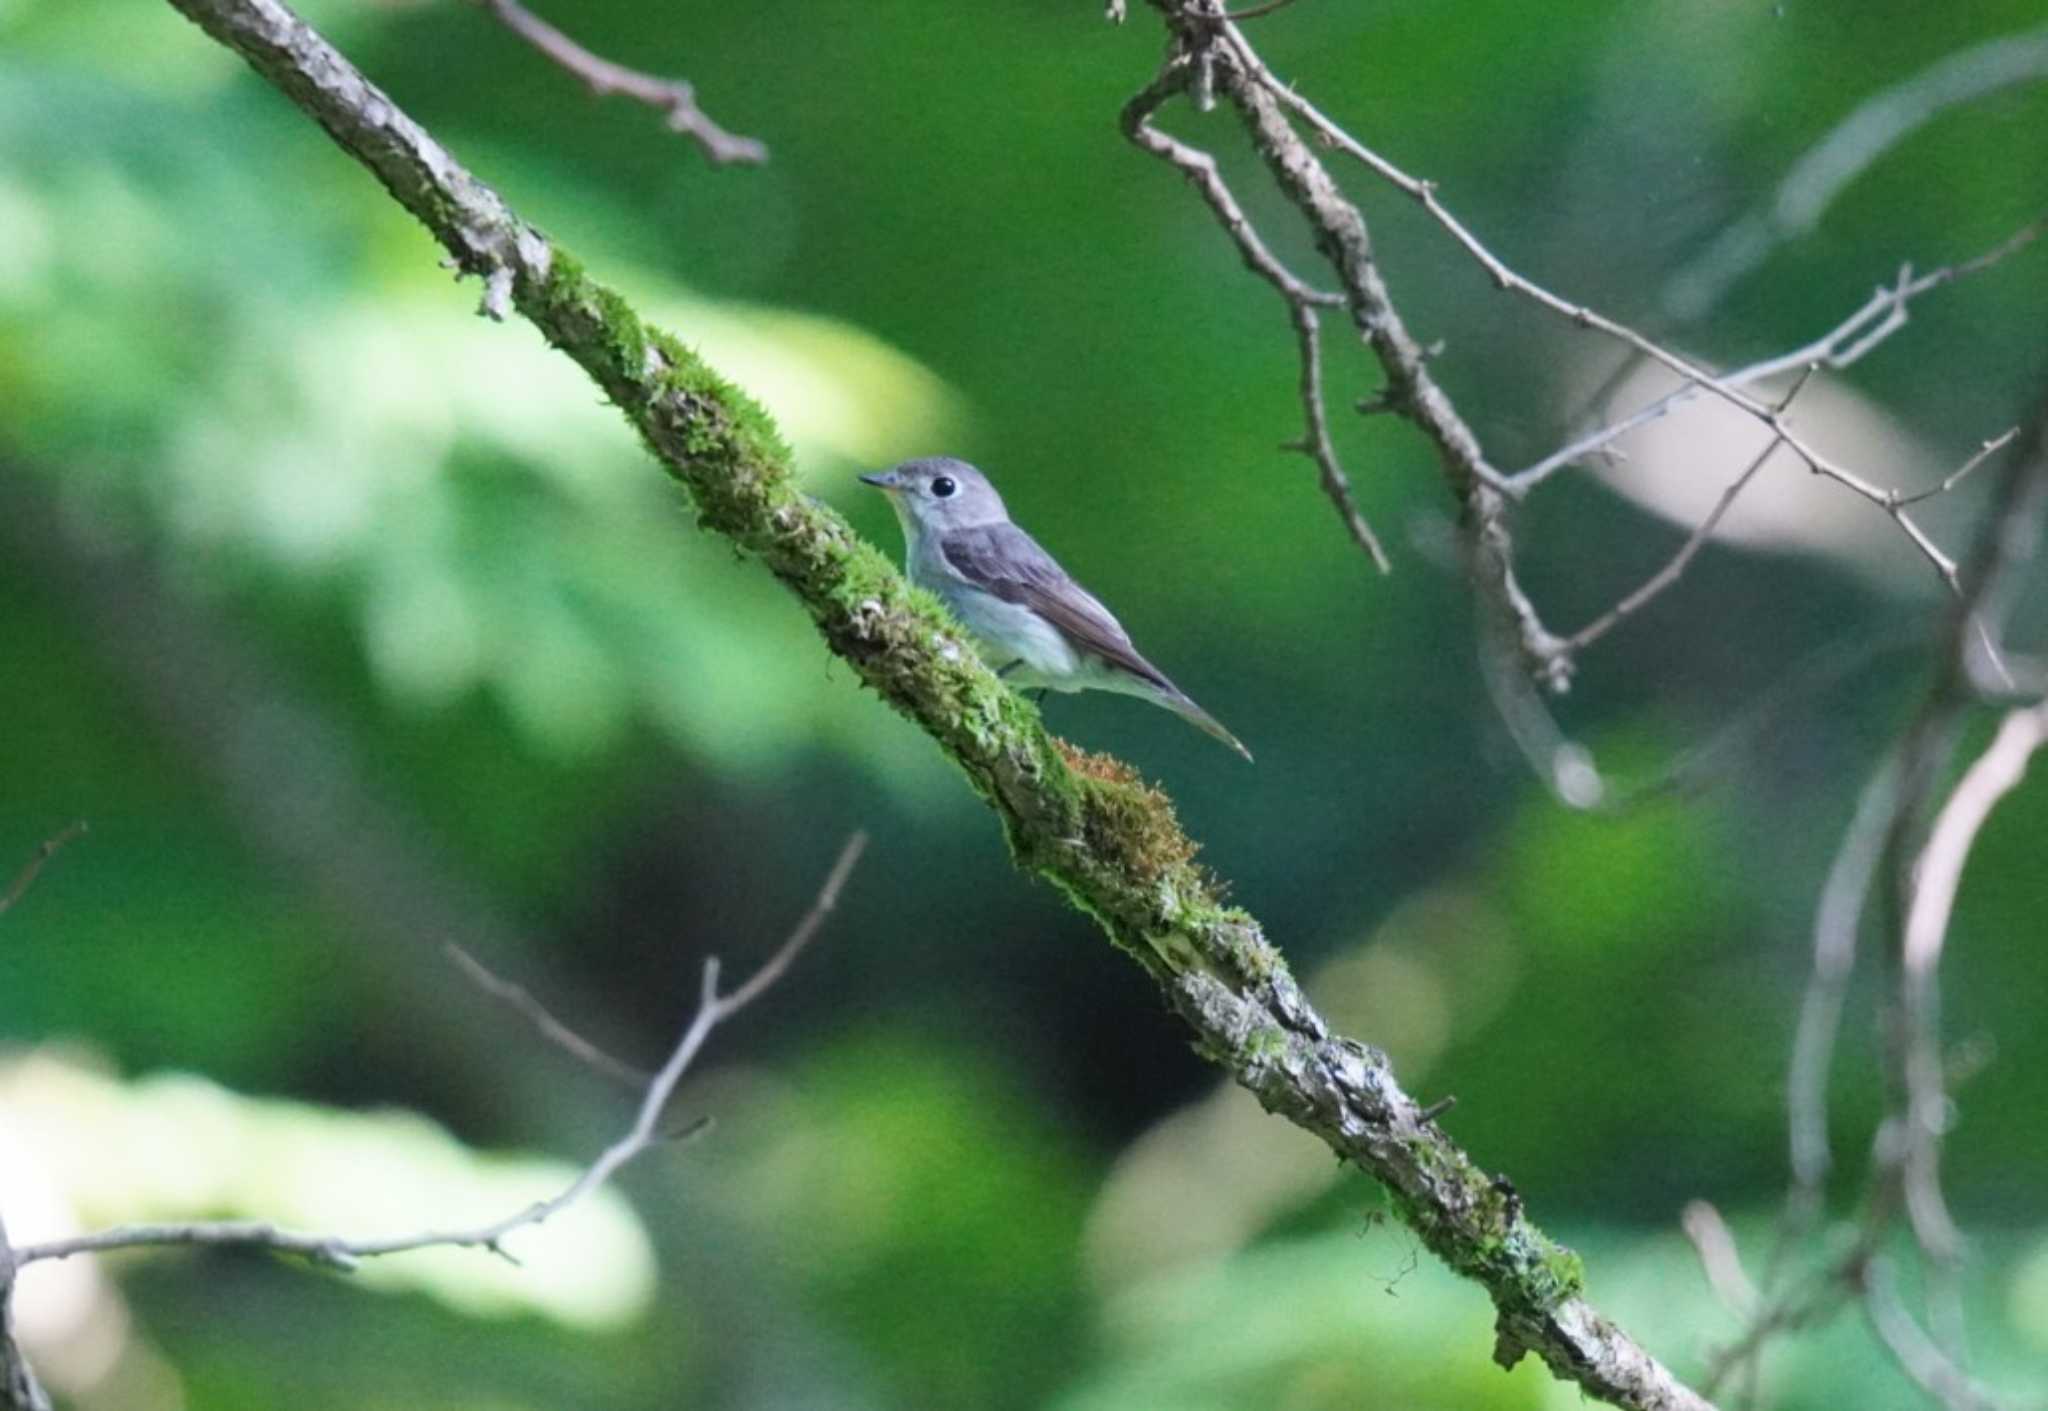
<point x="1184" y="706"/>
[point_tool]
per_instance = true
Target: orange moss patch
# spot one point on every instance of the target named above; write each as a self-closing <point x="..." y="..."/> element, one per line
<point x="1105" y="767"/>
<point x="1129" y="823"/>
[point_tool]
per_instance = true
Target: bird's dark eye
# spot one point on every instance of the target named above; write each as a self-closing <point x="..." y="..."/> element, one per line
<point x="944" y="486"/>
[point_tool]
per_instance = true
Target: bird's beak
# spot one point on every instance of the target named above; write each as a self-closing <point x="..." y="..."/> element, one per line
<point x="884" y="480"/>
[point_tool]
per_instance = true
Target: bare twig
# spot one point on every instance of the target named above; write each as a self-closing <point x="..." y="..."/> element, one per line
<point x="672" y="96"/>
<point x="45" y="850"/>
<point x="551" y="1028"/>
<point x="1886" y="837"/>
<point x="1936" y="875"/>
<point x="1674" y="568"/>
<point x="1897" y="831"/>
<point x="1817" y="1298"/>
<point x="1836" y="925"/>
<point x="1212" y="52"/>
<point x="1926" y="848"/>
<point x="1200" y="169"/>
<point x="332" y="1251"/>
<point x="1996" y="773"/>
<point x="1315" y="438"/>
<point x="1955" y="478"/>
<point x="1341" y="236"/>
<point x="1881" y="315"/>
<point x="1253" y="12"/>
<point x="1583" y="316"/>
<point x="1932" y="1370"/>
<point x="828" y="898"/>
<point x="1714" y="1243"/>
<point x="1848" y="150"/>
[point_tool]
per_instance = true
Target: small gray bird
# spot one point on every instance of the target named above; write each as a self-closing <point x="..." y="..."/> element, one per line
<point x="1035" y="625"/>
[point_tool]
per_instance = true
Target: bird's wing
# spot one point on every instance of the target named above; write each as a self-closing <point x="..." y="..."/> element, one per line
<point x="1002" y="559"/>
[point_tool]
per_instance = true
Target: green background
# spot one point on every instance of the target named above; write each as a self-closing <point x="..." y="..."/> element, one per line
<point x="353" y="625"/>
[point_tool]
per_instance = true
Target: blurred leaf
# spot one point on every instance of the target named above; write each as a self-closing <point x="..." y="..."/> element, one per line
<point x="1336" y="1321"/>
<point x="491" y="522"/>
<point x="213" y="1154"/>
<point x="936" y="1218"/>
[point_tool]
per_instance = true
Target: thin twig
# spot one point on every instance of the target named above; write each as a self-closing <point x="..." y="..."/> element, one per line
<point x="1675" y="567"/>
<point x="1315" y="439"/>
<point x="1583" y="316"/>
<point x="672" y="96"/>
<point x="1917" y="1354"/>
<point x="828" y="898"/>
<point x="1881" y="315"/>
<point x="1411" y="389"/>
<point x="713" y="1009"/>
<point x="1200" y="169"/>
<point x="1955" y="478"/>
<point x="551" y="1028"/>
<point x="1927" y="847"/>
<point x="1996" y="773"/>
<point x="1818" y="1297"/>
<point x="1203" y="174"/>
<point x="1884" y="837"/>
<point x="1937" y="875"/>
<point x="1905" y="1156"/>
<point x="1714" y="1243"/>
<point x="45" y="850"/>
<point x="1254" y="12"/>
<point x="1837" y="923"/>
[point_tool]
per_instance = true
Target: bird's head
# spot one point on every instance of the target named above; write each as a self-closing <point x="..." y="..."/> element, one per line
<point x="938" y="494"/>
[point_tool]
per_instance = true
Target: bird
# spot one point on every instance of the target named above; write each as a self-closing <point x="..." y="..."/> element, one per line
<point x="1032" y="622"/>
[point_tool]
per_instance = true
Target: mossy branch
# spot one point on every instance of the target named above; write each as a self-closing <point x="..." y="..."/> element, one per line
<point x="1086" y="824"/>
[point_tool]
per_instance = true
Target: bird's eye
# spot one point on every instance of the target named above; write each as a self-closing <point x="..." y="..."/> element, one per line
<point x="944" y="486"/>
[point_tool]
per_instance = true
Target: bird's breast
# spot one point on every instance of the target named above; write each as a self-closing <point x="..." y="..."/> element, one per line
<point x="1007" y="632"/>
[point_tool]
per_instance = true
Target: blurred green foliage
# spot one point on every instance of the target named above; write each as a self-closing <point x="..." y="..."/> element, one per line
<point x="354" y="624"/>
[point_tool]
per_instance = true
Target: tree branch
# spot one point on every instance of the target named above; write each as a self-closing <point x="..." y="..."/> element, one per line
<point x="1923" y="858"/>
<point x="1579" y="315"/>
<point x="334" y="1252"/>
<point x="1202" y="172"/>
<point x="1411" y="391"/>
<point x="1881" y="315"/>
<point x="1900" y="835"/>
<point x="1932" y="1370"/>
<point x="1110" y="844"/>
<point x="1674" y="568"/>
